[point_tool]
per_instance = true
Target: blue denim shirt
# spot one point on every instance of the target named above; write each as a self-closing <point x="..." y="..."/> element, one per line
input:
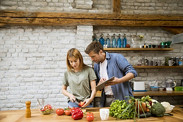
<point x="117" y="66"/>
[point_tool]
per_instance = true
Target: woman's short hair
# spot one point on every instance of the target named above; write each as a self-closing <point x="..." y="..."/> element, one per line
<point x="73" y="52"/>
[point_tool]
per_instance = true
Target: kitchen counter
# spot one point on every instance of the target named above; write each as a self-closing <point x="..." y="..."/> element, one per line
<point x="19" y="116"/>
<point x="151" y="93"/>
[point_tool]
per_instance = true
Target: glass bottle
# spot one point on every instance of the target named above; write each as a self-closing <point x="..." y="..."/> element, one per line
<point x="162" y="44"/>
<point x="101" y="40"/>
<point x="133" y="42"/>
<point x="108" y="41"/>
<point x="94" y="38"/>
<point x="119" y="41"/>
<point x="113" y="41"/>
<point x="181" y="61"/>
<point x="124" y="41"/>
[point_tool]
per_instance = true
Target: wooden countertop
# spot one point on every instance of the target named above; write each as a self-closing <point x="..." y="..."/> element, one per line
<point x="36" y="116"/>
<point x="151" y="93"/>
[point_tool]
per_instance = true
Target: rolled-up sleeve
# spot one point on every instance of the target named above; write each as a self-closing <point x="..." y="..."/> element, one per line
<point x="125" y="66"/>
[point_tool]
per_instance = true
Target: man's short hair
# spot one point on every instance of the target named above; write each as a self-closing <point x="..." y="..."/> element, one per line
<point x="95" y="47"/>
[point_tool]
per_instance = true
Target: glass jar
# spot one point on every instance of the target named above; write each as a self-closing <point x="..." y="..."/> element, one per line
<point x="181" y="61"/>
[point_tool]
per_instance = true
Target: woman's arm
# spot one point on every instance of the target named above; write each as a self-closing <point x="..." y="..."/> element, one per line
<point x="66" y="93"/>
<point x="93" y="88"/>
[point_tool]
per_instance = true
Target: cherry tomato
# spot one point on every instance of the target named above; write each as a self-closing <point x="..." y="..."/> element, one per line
<point x="81" y="104"/>
<point x="72" y="110"/>
<point x="68" y="112"/>
<point x="60" y="111"/>
<point x="47" y="107"/>
<point x="89" y="117"/>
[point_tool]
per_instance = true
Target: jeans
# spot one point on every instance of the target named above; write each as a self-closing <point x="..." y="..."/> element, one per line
<point x="73" y="104"/>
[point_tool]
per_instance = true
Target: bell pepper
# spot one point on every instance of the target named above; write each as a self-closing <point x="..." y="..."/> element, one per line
<point x="77" y="113"/>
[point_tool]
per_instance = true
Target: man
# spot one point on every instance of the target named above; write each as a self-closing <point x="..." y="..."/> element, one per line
<point x="108" y="65"/>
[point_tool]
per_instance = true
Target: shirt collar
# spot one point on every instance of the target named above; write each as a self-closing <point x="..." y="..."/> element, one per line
<point x="107" y="56"/>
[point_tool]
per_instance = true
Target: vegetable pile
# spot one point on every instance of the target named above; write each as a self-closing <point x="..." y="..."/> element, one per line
<point x="122" y="110"/>
<point x="136" y="108"/>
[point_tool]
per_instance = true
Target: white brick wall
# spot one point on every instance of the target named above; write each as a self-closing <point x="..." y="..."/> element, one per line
<point x="33" y="60"/>
<point x="151" y="6"/>
<point x="98" y="6"/>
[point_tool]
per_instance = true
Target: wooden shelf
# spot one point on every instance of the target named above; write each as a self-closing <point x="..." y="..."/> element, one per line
<point x="159" y="93"/>
<point x="138" y="49"/>
<point x="157" y="67"/>
<point x="152" y="93"/>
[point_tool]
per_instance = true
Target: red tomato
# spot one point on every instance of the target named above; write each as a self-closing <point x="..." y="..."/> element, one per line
<point x="89" y="113"/>
<point x="127" y="46"/>
<point x="90" y="117"/>
<point x="68" y="112"/>
<point x="72" y="110"/>
<point x="81" y="104"/>
<point x="59" y="111"/>
<point x="47" y="107"/>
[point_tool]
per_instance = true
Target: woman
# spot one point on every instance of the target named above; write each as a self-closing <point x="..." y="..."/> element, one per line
<point x="81" y="80"/>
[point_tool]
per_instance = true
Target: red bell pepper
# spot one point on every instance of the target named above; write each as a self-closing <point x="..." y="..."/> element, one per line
<point x="77" y="113"/>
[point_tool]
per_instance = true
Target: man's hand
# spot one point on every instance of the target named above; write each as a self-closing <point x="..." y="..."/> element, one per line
<point x="113" y="82"/>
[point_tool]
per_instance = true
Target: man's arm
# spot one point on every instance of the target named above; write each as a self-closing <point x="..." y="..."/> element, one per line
<point x="125" y="78"/>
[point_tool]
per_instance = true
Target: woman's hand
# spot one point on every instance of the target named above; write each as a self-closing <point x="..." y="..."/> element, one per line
<point x="101" y="81"/>
<point x="72" y="98"/>
<point x="87" y="102"/>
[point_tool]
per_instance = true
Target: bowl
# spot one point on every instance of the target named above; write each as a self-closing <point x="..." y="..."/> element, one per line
<point x="154" y="46"/>
<point x="46" y="110"/>
<point x="154" y="88"/>
<point x="161" y="88"/>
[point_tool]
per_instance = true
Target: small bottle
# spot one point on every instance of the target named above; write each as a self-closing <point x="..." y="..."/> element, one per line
<point x="145" y="46"/>
<point x="177" y="61"/>
<point x="101" y="40"/>
<point x="132" y="43"/>
<point x="162" y="45"/>
<point x="124" y="41"/>
<point x="108" y="41"/>
<point x="119" y="42"/>
<point x="180" y="61"/>
<point x="94" y="38"/>
<point x="113" y="41"/>
<point x="28" y="111"/>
